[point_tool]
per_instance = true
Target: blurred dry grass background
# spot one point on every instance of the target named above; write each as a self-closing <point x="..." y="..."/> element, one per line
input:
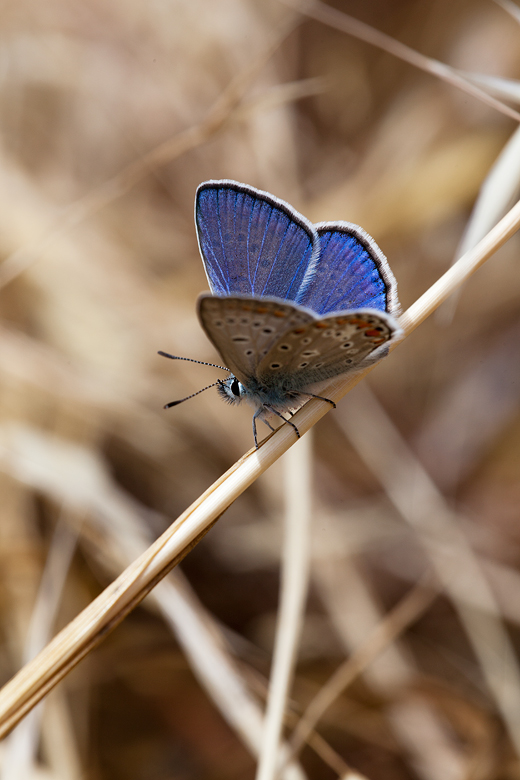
<point x="97" y="279"/>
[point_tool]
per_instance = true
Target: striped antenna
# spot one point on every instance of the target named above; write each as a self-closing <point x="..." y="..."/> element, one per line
<point x="181" y="400"/>
<point x="190" y="360"/>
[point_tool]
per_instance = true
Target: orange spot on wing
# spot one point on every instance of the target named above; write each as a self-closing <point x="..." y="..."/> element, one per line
<point x="373" y="333"/>
<point x="297" y="331"/>
<point x="321" y="325"/>
<point x="279" y="313"/>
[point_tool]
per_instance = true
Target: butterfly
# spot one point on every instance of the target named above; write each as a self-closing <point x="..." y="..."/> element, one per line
<point x="292" y="303"/>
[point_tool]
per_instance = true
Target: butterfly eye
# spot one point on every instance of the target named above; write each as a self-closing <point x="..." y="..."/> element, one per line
<point x="235" y="387"/>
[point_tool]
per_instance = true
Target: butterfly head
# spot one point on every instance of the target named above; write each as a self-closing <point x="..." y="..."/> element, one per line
<point x="231" y="390"/>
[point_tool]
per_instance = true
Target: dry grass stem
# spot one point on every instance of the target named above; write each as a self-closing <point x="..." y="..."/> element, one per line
<point x="507" y="89"/>
<point x="202" y="641"/>
<point x="339" y="572"/>
<point x="454" y="562"/>
<point x="351" y="26"/>
<point x="461" y="271"/>
<point x="495" y="196"/>
<point x="355" y="611"/>
<point x="21" y="748"/>
<point x="329" y="756"/>
<point x="294" y="585"/>
<point x="510" y="7"/>
<point x="38" y="677"/>
<point x="112" y="114"/>
<point x="119" y="533"/>
<point x="227" y="108"/>
<point x="409" y="609"/>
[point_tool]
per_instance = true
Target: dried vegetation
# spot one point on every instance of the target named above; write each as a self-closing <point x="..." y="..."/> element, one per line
<point x="111" y="114"/>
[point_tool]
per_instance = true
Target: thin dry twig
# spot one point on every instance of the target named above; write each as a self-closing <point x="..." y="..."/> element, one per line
<point x="76" y="640"/>
<point x="226" y="108"/>
<point x="295" y="580"/>
<point x="510" y="8"/>
<point x="507" y="89"/>
<point x="352" y="26"/>
<point x="456" y="565"/>
<point x="395" y="622"/>
<point x="117" y="530"/>
<point x="23" y="742"/>
<point x="496" y="194"/>
<point x="355" y="611"/>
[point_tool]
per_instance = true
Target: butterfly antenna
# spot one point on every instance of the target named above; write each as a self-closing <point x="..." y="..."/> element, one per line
<point x="181" y="400"/>
<point x="190" y="360"/>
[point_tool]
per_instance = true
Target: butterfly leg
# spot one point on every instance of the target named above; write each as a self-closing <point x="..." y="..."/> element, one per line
<point x="279" y="414"/>
<point x="254" y="427"/>
<point x="258" y="414"/>
<point x="320" y="397"/>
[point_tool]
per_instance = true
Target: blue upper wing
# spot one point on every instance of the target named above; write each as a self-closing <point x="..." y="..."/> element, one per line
<point x="253" y="243"/>
<point x="351" y="273"/>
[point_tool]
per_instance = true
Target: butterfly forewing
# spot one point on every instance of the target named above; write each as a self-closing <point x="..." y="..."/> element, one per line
<point x="251" y="242"/>
<point x="244" y="330"/>
<point x="324" y="348"/>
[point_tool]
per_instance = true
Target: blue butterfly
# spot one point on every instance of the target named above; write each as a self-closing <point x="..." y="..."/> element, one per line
<point x="292" y="304"/>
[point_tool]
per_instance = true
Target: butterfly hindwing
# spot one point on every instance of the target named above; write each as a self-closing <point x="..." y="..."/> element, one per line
<point x="325" y="347"/>
<point x="244" y="329"/>
<point x="351" y="273"/>
<point x="253" y="243"/>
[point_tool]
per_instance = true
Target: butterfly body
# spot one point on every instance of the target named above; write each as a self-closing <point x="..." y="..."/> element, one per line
<point x="278" y="351"/>
<point x="292" y="303"/>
